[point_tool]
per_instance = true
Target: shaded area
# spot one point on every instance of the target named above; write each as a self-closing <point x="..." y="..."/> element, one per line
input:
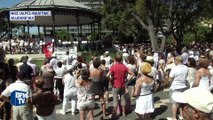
<point x="159" y="111"/>
<point x="156" y="99"/>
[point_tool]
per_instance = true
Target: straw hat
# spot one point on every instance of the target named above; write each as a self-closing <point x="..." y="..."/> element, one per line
<point x="146" y="68"/>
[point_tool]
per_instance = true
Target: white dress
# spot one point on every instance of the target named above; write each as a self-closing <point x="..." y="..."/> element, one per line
<point x="204" y="82"/>
<point x="145" y="102"/>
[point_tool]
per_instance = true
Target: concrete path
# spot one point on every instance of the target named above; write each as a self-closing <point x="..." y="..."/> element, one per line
<point x="18" y="56"/>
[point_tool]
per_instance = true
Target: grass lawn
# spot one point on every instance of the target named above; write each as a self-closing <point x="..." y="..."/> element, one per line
<point x="38" y="62"/>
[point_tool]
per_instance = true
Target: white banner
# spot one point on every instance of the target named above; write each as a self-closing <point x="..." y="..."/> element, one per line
<point x="22" y="18"/>
<point x="27" y="15"/>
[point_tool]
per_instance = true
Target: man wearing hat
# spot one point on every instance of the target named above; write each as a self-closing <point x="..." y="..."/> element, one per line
<point x="107" y="58"/>
<point x="196" y="103"/>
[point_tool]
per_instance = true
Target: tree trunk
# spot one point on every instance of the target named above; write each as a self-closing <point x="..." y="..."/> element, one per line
<point x="151" y="28"/>
<point x="151" y="31"/>
<point x="162" y="45"/>
<point x="153" y="39"/>
<point x="169" y="26"/>
<point x="179" y="39"/>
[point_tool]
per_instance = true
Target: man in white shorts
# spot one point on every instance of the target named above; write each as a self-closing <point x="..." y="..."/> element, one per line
<point x="177" y="78"/>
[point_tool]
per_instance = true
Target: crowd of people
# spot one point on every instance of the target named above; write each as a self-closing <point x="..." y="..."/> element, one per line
<point x="20" y="46"/>
<point x="135" y="74"/>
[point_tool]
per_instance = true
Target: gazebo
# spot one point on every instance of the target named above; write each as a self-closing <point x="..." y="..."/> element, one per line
<point x="61" y="13"/>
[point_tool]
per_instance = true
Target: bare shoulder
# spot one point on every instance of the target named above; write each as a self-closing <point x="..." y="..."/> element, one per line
<point x="139" y="80"/>
<point x="79" y="81"/>
<point x="147" y="80"/>
<point x="199" y="71"/>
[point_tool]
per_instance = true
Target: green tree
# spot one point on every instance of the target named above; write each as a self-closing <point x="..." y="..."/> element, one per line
<point x="117" y="17"/>
<point x="62" y="34"/>
<point x="171" y="17"/>
<point x="3" y="22"/>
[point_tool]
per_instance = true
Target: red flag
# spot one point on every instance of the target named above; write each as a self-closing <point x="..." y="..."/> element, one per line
<point x="48" y="49"/>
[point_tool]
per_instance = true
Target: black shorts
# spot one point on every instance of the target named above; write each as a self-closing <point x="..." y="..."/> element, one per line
<point x="131" y="82"/>
<point x="106" y="85"/>
<point x="59" y="84"/>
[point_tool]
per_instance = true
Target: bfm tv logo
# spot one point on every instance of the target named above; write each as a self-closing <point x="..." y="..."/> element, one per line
<point x="18" y="98"/>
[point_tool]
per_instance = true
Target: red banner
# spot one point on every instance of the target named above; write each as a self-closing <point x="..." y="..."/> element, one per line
<point x="48" y="49"/>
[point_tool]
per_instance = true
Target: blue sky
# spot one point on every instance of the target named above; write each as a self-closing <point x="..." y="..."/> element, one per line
<point x="8" y="3"/>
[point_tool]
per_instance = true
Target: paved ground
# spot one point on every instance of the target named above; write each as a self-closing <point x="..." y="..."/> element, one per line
<point x="162" y="109"/>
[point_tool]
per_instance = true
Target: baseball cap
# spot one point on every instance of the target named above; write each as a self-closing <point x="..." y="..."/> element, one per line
<point x="199" y="98"/>
<point x="149" y="58"/>
<point x="69" y="67"/>
<point x="125" y="55"/>
<point x="107" y="52"/>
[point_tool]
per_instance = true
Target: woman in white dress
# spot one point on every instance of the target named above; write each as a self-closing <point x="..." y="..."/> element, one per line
<point x="202" y="75"/>
<point x="143" y="91"/>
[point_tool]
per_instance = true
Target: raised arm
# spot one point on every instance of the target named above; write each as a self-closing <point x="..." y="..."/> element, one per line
<point x="131" y="74"/>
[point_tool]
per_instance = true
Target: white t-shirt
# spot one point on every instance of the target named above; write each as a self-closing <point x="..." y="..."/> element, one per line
<point x="179" y="73"/>
<point x="59" y="72"/>
<point x="91" y="66"/>
<point x="18" y="65"/>
<point x="185" y="56"/>
<point x="155" y="58"/>
<point x="107" y="59"/>
<point x="84" y="65"/>
<point x="53" y="63"/>
<point x="169" y="66"/>
<point x="74" y="62"/>
<point x="125" y="56"/>
<point x="21" y="43"/>
<point x="154" y="73"/>
<point x="18" y="91"/>
<point x="211" y="78"/>
<point x="68" y="60"/>
<point x="69" y="85"/>
<point x="33" y="66"/>
<point x="102" y="57"/>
